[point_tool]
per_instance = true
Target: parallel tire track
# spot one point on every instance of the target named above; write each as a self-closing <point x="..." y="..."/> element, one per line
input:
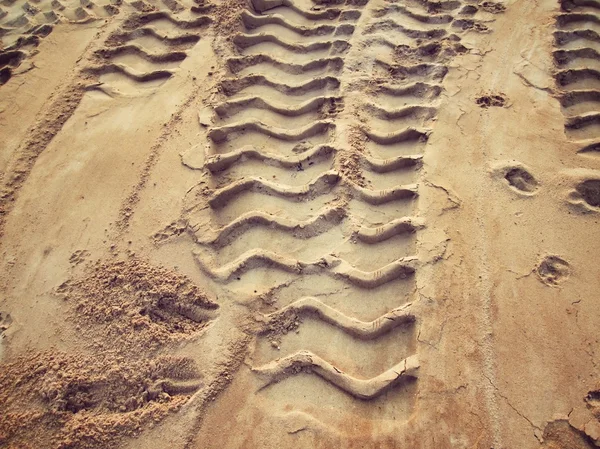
<point x="289" y="63"/>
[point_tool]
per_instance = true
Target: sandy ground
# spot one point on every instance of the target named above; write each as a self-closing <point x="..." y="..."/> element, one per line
<point x="315" y="224"/>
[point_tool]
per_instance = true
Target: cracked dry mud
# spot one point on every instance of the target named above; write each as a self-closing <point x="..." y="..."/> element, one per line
<point x="299" y="223"/>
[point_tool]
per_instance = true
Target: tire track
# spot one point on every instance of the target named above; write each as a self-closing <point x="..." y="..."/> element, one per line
<point x="18" y="45"/>
<point x="314" y="169"/>
<point x="268" y="122"/>
<point x="23" y="23"/>
<point x="397" y="118"/>
<point x="577" y="59"/>
<point x="127" y="67"/>
<point x="413" y="43"/>
<point x="395" y="124"/>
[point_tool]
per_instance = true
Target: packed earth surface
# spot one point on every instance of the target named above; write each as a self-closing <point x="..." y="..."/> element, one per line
<point x="256" y="224"/>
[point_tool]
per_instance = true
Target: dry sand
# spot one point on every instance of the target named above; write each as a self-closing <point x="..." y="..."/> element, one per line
<point x="299" y="223"/>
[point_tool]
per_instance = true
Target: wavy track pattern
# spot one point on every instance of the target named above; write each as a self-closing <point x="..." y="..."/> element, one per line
<point x="20" y="35"/>
<point x="136" y="70"/>
<point x="577" y="76"/>
<point x="320" y="185"/>
<point x="23" y="23"/>
<point x="360" y="388"/>
<point x="330" y="265"/>
<point x="317" y="186"/>
<point x="320" y="223"/>
<point x="359" y="329"/>
<point x="289" y="63"/>
<point x="220" y="162"/>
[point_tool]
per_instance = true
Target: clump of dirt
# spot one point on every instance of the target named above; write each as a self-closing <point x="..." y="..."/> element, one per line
<point x="227" y="16"/>
<point x="437" y="51"/>
<point x="349" y="162"/>
<point x="279" y="325"/>
<point x="137" y="304"/>
<point x="202" y="6"/>
<point x="492" y="100"/>
<point x="332" y="107"/>
<point x="350" y="168"/>
<point x="124" y="311"/>
<point x="57" y="400"/>
<point x="142" y="6"/>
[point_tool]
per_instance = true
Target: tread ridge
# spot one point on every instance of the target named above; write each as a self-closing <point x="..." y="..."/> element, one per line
<point x="359" y="329"/>
<point x="330" y="265"/>
<point x="301" y="361"/>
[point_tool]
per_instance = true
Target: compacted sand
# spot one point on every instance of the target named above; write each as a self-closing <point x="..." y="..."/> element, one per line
<point x="300" y="224"/>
